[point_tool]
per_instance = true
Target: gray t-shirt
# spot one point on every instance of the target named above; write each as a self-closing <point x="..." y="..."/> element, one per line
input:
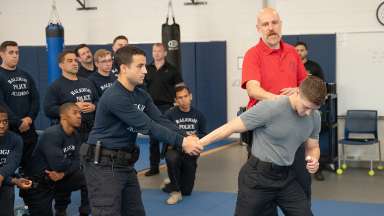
<point x="278" y="130"/>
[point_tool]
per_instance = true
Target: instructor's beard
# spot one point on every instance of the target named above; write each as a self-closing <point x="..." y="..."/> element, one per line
<point x="73" y="71"/>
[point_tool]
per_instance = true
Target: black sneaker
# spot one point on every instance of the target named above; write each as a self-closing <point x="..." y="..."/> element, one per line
<point x="152" y="172"/>
<point x="319" y="176"/>
<point x="167" y="188"/>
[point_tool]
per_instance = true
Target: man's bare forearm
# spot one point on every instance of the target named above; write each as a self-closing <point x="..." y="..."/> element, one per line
<point x="255" y="91"/>
<point x="234" y="126"/>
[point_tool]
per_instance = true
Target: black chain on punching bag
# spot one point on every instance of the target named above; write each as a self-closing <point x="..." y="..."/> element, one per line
<point x="170" y="34"/>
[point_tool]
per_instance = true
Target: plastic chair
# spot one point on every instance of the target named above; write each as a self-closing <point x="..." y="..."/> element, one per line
<point x="360" y="122"/>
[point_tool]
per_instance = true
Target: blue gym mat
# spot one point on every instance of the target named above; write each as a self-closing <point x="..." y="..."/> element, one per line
<point x="143" y="162"/>
<point x="223" y="204"/>
<point x="219" y="203"/>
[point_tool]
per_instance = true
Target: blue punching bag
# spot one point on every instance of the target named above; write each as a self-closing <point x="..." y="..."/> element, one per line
<point x="55" y="43"/>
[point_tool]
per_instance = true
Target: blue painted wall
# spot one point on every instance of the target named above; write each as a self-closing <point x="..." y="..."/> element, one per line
<point x="322" y="49"/>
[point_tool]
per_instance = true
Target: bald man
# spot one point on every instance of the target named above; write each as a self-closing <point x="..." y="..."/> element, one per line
<point x="273" y="68"/>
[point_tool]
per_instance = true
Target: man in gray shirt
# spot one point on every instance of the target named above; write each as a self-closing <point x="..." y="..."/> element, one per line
<point x="279" y="127"/>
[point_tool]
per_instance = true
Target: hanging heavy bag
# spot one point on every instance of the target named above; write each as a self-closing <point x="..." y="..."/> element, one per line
<point x="55" y="42"/>
<point x="170" y="34"/>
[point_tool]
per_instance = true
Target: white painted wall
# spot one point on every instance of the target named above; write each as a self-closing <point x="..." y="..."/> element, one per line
<point x="334" y="16"/>
<point x="328" y="16"/>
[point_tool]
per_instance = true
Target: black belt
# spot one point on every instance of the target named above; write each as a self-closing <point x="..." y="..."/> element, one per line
<point x="123" y="157"/>
<point x="259" y="164"/>
<point x="104" y="152"/>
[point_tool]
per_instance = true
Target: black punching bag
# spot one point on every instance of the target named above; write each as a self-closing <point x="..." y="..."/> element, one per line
<point x="170" y="35"/>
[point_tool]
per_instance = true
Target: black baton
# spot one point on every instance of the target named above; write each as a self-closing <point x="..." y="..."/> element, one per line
<point x="97" y="152"/>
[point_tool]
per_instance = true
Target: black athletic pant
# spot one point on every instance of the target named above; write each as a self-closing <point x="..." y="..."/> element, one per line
<point x="7" y="200"/>
<point x="302" y="175"/>
<point x="154" y="144"/>
<point x="39" y="199"/>
<point x="29" y="143"/>
<point x="261" y="184"/>
<point x="63" y="199"/>
<point x="181" y="171"/>
<point x="113" y="190"/>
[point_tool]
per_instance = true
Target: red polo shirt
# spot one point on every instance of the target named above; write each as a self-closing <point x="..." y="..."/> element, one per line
<point x="275" y="69"/>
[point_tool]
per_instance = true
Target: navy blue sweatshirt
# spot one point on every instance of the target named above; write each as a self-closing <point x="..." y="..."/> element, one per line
<point x="18" y="93"/>
<point x="55" y="151"/>
<point x="121" y="114"/>
<point x="63" y="91"/>
<point x="101" y="82"/>
<point x="192" y="122"/>
<point x="84" y="72"/>
<point x="11" y="149"/>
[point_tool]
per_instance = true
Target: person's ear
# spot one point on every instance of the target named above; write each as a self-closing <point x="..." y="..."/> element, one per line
<point x="122" y="68"/>
<point x="258" y="28"/>
<point x="61" y="65"/>
<point x="63" y="116"/>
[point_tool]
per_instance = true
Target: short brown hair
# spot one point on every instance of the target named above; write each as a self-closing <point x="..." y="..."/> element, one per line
<point x="61" y="56"/>
<point x="4" y="45"/>
<point x="120" y="37"/>
<point x="125" y="55"/>
<point x="101" y="53"/>
<point x="180" y="88"/>
<point x="80" y="46"/>
<point x="314" y="90"/>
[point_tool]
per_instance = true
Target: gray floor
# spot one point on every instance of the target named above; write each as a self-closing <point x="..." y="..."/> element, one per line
<point x="218" y="172"/>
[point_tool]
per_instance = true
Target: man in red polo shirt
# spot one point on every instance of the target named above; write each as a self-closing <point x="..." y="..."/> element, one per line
<point x="273" y="68"/>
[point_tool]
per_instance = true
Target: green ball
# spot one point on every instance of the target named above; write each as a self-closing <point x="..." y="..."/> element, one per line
<point x="339" y="171"/>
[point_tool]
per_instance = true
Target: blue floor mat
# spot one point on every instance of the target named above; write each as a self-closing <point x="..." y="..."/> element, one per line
<point x="220" y="203"/>
<point x="223" y="204"/>
<point x="141" y="164"/>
